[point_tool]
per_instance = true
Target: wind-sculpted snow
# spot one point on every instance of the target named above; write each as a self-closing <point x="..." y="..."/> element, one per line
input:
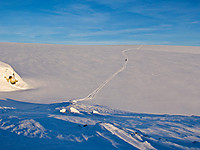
<point x="108" y="129"/>
<point x="134" y="141"/>
<point x="29" y="128"/>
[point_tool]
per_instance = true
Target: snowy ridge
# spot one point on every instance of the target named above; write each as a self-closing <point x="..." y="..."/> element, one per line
<point x="115" y="128"/>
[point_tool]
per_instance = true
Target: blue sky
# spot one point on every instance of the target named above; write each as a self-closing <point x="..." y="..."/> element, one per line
<point x="97" y="22"/>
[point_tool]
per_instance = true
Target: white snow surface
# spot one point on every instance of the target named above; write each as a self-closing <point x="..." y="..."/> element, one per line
<point x="73" y="110"/>
<point x="5" y="86"/>
<point x="140" y="144"/>
<point x="157" y="79"/>
<point x="42" y="126"/>
<point x="95" y="112"/>
<point x="63" y="110"/>
<point x="85" y="97"/>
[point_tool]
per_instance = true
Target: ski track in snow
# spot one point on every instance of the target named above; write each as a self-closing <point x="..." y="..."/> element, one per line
<point x="96" y="91"/>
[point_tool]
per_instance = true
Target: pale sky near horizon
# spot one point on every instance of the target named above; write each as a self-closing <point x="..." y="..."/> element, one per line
<point x="98" y="22"/>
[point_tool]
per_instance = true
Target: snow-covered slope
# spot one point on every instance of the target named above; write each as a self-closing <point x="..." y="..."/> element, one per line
<point x="79" y="89"/>
<point x="14" y="83"/>
<point x="157" y="79"/>
<point x="43" y="126"/>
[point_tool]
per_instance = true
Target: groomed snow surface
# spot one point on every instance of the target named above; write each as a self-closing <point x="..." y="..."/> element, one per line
<point x="95" y="97"/>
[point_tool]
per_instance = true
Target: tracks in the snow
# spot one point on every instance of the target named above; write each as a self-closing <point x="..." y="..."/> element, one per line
<point x="96" y="91"/>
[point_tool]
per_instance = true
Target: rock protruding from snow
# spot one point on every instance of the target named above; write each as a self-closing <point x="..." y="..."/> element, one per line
<point x="10" y="80"/>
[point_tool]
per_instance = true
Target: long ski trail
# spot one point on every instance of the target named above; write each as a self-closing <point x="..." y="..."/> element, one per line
<point x="101" y="86"/>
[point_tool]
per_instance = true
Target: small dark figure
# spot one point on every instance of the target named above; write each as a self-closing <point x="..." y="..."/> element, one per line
<point x="85" y="125"/>
<point x="136" y="133"/>
<point x="126" y="59"/>
<point x="12" y="79"/>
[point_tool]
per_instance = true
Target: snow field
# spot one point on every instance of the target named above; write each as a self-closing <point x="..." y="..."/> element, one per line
<point x="154" y="79"/>
<point x="115" y="80"/>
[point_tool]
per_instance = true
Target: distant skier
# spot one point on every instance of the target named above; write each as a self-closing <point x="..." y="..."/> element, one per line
<point x="126" y="59"/>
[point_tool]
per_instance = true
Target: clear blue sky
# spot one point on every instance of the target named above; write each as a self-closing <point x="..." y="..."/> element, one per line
<point x="163" y="22"/>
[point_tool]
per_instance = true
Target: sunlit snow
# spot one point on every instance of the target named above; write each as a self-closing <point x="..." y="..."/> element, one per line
<point x="99" y="97"/>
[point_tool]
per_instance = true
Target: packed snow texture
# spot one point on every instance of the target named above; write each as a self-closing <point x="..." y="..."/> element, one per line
<point x="157" y="79"/>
